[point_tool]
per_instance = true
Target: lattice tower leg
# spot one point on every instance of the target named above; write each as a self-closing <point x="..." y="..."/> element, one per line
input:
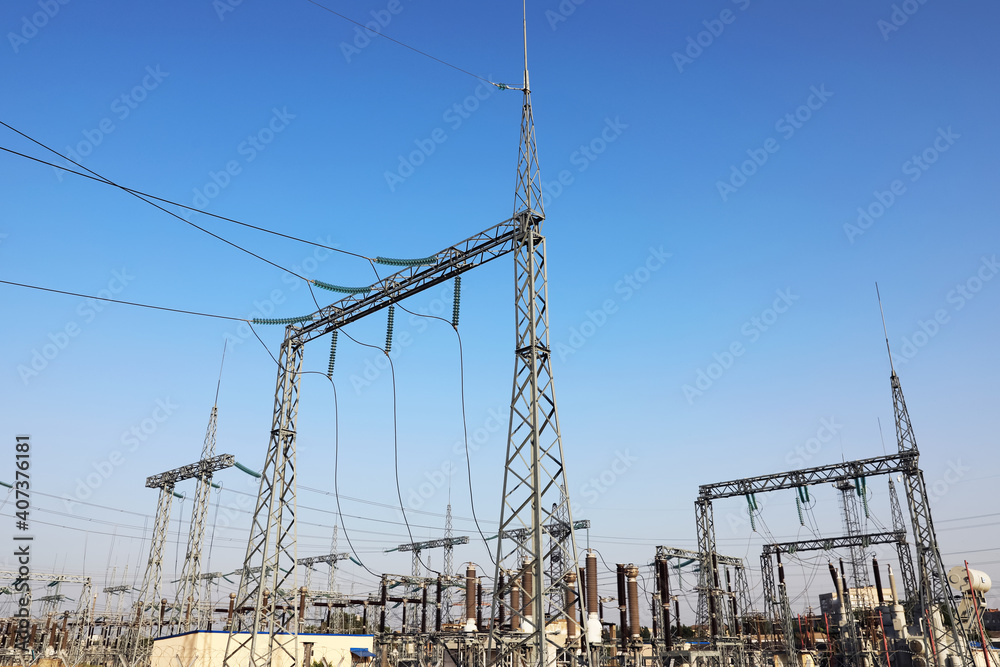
<point x="267" y="596"/>
<point x="136" y="646"/>
<point x="188" y="593"/>
<point x="935" y="594"/>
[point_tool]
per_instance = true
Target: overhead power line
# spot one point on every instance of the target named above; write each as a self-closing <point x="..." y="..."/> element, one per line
<point x="184" y="206"/>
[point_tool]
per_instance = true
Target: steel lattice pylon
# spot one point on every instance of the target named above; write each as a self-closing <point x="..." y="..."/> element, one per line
<point x="535" y="496"/>
<point x="449" y="563"/>
<point x="903" y="553"/>
<point x="188" y="592"/>
<point x="934" y="593"/>
<point x="852" y="527"/>
<point x="136" y="648"/>
<point x="266" y="588"/>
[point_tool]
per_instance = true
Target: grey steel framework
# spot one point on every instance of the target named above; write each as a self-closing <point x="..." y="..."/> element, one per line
<point x="539" y="466"/>
<point x="934" y="593"/>
<point x="330" y="559"/>
<point x="738" y="594"/>
<point x="137" y="644"/>
<point x="189" y="590"/>
<point x="904" y="552"/>
<point x="897" y="537"/>
<point x="80" y="617"/>
<point x="852" y="526"/>
<point x="535" y="490"/>
<point x="418" y="547"/>
<point x="449" y="560"/>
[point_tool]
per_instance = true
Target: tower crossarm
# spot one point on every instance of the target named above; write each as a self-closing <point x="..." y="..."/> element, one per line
<point x="329" y="558"/>
<point x="474" y="251"/>
<point x="207" y="466"/>
<point x="671" y="552"/>
<point x="904" y="462"/>
<point x="835" y="543"/>
<point x="432" y="544"/>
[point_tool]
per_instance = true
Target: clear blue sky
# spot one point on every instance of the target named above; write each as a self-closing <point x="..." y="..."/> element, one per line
<point x="786" y="156"/>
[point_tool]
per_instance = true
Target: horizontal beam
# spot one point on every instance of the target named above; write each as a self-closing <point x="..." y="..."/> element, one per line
<point x="663" y="553"/>
<point x="329" y="558"/>
<point x="904" y="462"/>
<point x="474" y="251"/>
<point x="557" y="530"/>
<point x="844" y="542"/>
<point x="432" y="544"/>
<point x="42" y="576"/>
<point x="203" y="467"/>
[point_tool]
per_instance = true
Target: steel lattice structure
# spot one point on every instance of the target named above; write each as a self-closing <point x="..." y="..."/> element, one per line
<point x="189" y="591"/>
<point x="903" y="549"/>
<point x="534" y="463"/>
<point x="934" y="593"/>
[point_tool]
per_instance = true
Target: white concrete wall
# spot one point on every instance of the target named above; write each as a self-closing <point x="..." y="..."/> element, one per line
<point x="207" y="649"/>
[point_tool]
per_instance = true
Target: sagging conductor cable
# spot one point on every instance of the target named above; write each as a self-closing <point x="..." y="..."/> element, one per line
<point x="184" y="206"/>
<point x="154" y="204"/>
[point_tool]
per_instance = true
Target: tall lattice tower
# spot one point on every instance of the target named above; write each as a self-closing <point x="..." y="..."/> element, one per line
<point x="937" y="606"/>
<point x="535" y="495"/>
<point x="449" y="563"/>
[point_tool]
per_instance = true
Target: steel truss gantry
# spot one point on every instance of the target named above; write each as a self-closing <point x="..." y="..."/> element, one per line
<point x="189" y="591"/>
<point x="897" y="537"/>
<point x="149" y="593"/>
<point x="533" y="470"/>
<point x="710" y="590"/>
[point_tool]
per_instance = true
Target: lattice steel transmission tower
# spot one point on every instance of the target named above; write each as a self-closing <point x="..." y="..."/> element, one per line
<point x="852" y="527"/>
<point x="189" y="591"/>
<point x="149" y="592"/>
<point x="449" y="562"/>
<point x="535" y="493"/>
<point x="270" y="586"/>
<point x="937" y="606"/>
<point x="903" y="550"/>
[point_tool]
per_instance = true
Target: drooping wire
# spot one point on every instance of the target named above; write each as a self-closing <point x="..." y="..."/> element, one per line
<point x="155" y="205"/>
<point x="465" y="423"/>
<point x="500" y="86"/>
<point x="184" y="206"/>
<point x="125" y="303"/>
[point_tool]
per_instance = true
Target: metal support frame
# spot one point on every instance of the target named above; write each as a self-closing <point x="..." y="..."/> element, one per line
<point x="535" y="489"/>
<point x="934" y="593"/>
<point x="136" y="644"/>
<point x="903" y="551"/>
<point x="189" y="590"/>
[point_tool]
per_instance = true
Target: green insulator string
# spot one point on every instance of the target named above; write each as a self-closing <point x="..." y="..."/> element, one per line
<point x="341" y="289"/>
<point x="388" y="329"/>
<point x="752" y="501"/>
<point x="455" y="305"/>
<point x="392" y="261"/>
<point x="333" y="353"/>
<point x="798" y="508"/>
<point x="804" y="494"/>
<point x="753" y="524"/>
<point x="283" y="320"/>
